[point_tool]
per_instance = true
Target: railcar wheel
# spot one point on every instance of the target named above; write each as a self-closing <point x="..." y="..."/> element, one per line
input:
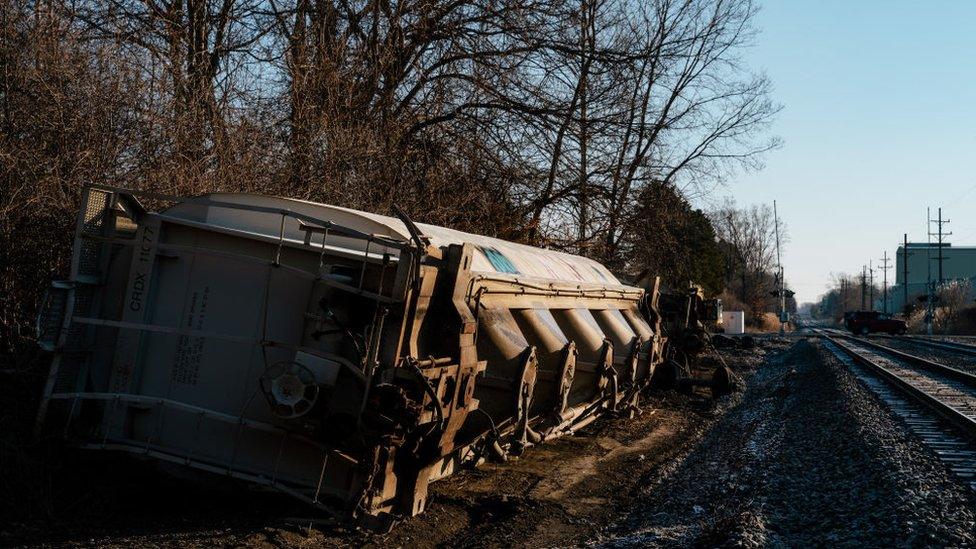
<point x="667" y="375"/>
<point x="723" y="382"/>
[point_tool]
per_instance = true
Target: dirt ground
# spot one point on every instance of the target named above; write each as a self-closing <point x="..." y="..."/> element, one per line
<point x="560" y="493"/>
<point x="803" y="456"/>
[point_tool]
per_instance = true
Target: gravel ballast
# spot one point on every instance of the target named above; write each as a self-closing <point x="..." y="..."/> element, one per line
<point x="808" y="457"/>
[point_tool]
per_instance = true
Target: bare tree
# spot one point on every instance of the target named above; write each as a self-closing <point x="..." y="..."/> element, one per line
<point x="534" y="120"/>
<point x="587" y="102"/>
<point x="581" y="124"/>
<point x="844" y="295"/>
<point x="703" y="126"/>
<point x="190" y="55"/>
<point x="657" y="93"/>
<point x="750" y="238"/>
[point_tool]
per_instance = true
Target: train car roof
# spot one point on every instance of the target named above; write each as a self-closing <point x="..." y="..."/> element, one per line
<point x="493" y="256"/>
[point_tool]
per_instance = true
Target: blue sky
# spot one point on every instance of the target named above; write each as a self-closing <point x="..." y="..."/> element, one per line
<point x="878" y="122"/>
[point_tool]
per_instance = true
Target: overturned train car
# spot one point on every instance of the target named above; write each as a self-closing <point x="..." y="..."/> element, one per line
<point x="346" y="358"/>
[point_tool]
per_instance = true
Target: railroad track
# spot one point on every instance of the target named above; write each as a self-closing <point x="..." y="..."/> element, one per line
<point x="936" y="402"/>
<point x="920" y="340"/>
<point x="961" y="348"/>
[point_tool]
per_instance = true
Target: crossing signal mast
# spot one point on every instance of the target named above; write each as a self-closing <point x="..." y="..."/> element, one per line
<point x="781" y="292"/>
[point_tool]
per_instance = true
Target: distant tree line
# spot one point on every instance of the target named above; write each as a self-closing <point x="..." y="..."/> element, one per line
<point x="843" y="295"/>
<point x="585" y="125"/>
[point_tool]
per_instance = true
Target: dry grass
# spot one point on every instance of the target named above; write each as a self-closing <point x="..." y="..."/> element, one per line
<point x="961" y="321"/>
<point x="768" y="322"/>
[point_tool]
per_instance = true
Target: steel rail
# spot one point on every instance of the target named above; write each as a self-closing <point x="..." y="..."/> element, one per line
<point x="947" y="345"/>
<point x="952" y="415"/>
<point x="948" y="371"/>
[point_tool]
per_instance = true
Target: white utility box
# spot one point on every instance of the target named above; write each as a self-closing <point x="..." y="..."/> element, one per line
<point x="734" y="322"/>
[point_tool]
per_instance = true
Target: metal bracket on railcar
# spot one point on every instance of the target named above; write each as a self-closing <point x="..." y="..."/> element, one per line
<point x="418" y="238"/>
<point x="524" y="436"/>
<point x="566" y="374"/>
<point x="629" y="407"/>
<point x="608" y="382"/>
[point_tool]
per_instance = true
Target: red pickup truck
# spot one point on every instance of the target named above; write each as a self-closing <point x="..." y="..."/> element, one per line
<point x="866" y="322"/>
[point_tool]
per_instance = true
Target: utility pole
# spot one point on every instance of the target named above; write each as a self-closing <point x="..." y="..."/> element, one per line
<point x="847" y="293"/>
<point x="904" y="276"/>
<point x="928" y="284"/>
<point x="940" y="234"/>
<point x="864" y="277"/>
<point x="844" y="284"/>
<point x="871" y="285"/>
<point x="884" y="282"/>
<point x="779" y="285"/>
<point x="933" y="285"/>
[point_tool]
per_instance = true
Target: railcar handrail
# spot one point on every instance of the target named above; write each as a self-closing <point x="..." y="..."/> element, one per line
<point x="555" y="288"/>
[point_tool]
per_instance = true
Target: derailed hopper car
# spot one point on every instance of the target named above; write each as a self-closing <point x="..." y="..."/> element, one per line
<point x="346" y="358"/>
